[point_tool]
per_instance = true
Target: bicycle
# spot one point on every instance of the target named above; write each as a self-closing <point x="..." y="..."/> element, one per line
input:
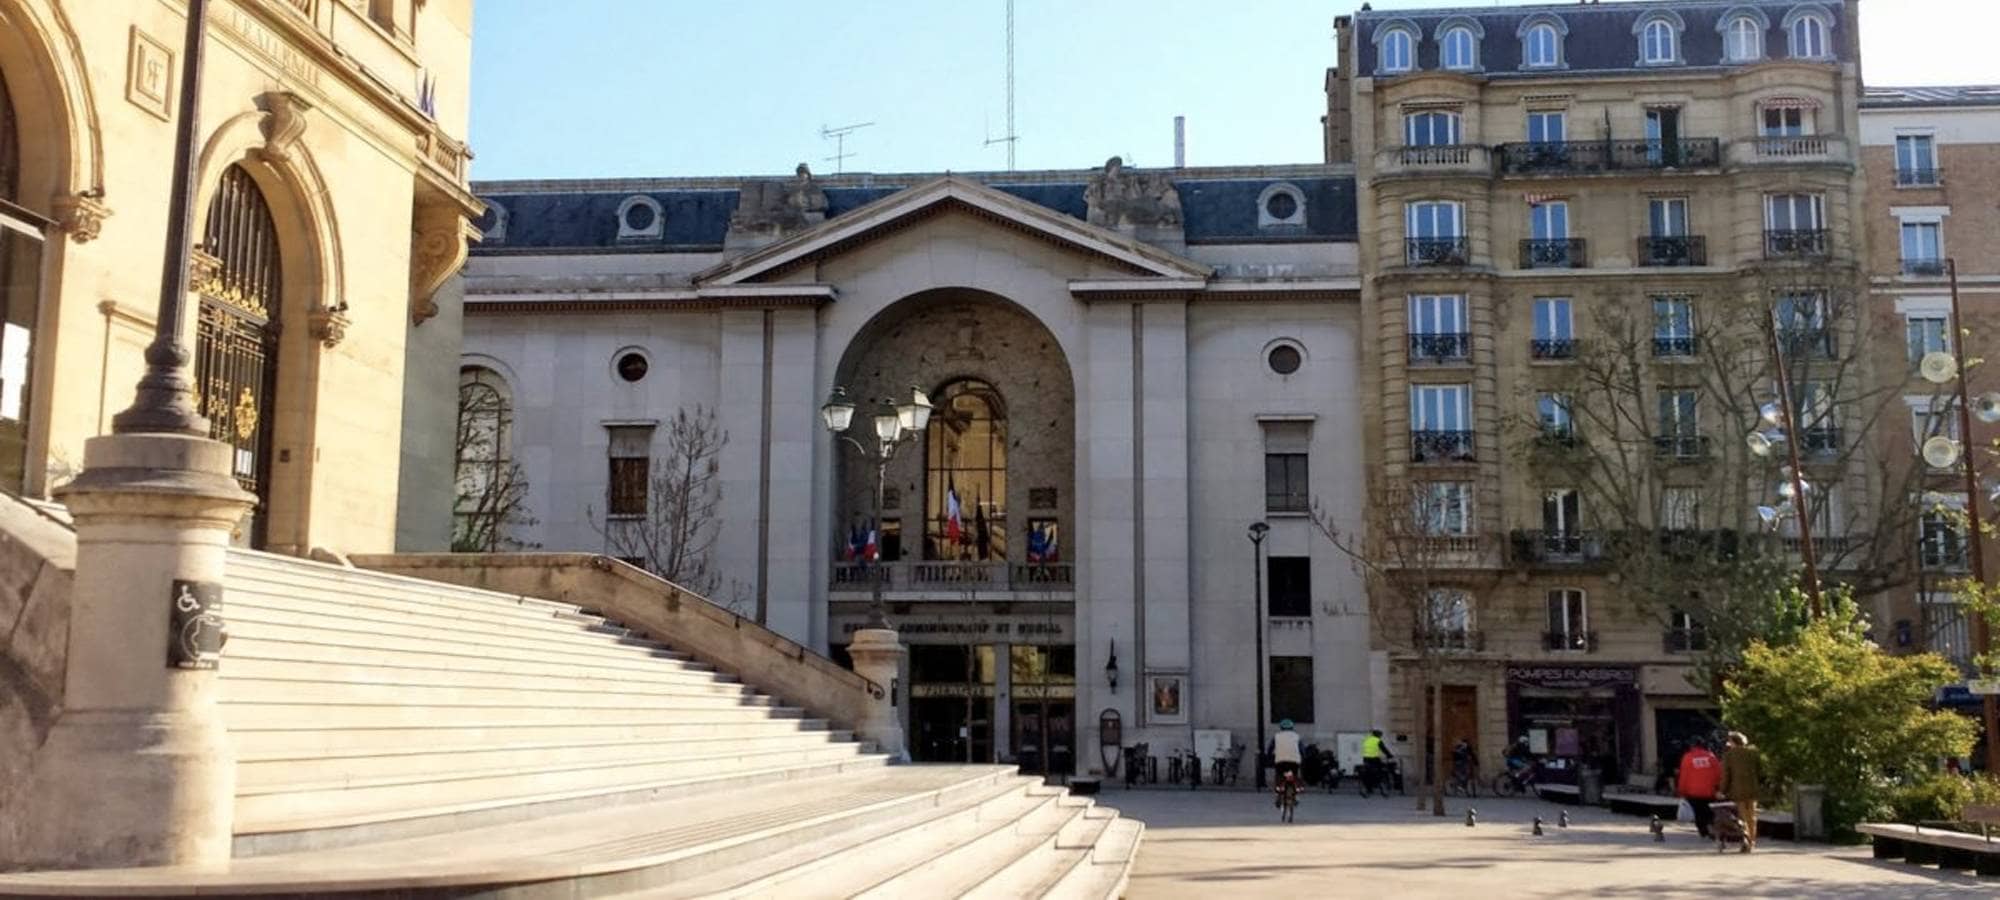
<point x="1374" y="778"/>
<point x="1515" y="782"/>
<point x="1288" y="796"/>
<point x="1463" y="783"/>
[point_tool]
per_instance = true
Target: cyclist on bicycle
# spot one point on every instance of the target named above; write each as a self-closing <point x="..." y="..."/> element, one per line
<point x="1374" y="762"/>
<point x="1520" y="761"/>
<point x="1464" y="763"/>
<point x="1287" y="751"/>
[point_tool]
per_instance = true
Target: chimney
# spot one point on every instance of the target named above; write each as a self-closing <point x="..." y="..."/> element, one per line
<point x="1180" y="142"/>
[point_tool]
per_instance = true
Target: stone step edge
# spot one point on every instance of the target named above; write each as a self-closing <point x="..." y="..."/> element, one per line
<point x="442" y="632"/>
<point x="639" y="661"/>
<point x="817" y="738"/>
<point x="1034" y="867"/>
<point x="252" y="585"/>
<point x="720" y="690"/>
<point x="911" y="868"/>
<point x="787" y="773"/>
<point x="805" y="725"/>
<point x="626" y="676"/>
<point x="830" y="750"/>
<point x="247" y="593"/>
<point x="282" y="563"/>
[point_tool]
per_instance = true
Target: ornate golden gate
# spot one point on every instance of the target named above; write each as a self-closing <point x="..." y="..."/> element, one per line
<point x="236" y="347"/>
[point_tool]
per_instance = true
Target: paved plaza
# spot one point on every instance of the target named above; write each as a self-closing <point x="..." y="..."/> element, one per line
<point x="1215" y="843"/>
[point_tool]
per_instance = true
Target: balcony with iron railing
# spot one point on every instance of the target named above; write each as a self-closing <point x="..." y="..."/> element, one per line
<point x="1553" y="253"/>
<point x="1552" y="348"/>
<point x="1608" y="157"/>
<point x="1440" y="347"/>
<point x="1924" y="268"/>
<point x="1681" y="448"/>
<point x="1807" y="342"/>
<point x="1459" y="640"/>
<point x="1918" y="178"/>
<point x="938" y="579"/>
<point x="1941" y="555"/>
<point x="1437" y="251"/>
<point x="1673" y="250"/>
<point x="1430" y="446"/>
<point x="1675" y="347"/>
<point x="1797" y="243"/>
<point x="1561" y="548"/>
<point x="1825" y="546"/>
<point x="1821" y="440"/>
<point x="1570" y="641"/>
<point x="1684" y="640"/>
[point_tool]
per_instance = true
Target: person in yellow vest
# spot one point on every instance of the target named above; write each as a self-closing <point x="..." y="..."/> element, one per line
<point x="1374" y="759"/>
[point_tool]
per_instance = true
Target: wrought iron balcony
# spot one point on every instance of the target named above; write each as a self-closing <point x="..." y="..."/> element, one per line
<point x="1821" y="439"/>
<point x="1459" y="639"/>
<point x="1552" y="348"/>
<point x="1681" y="447"/>
<point x="1553" y="253"/>
<point x="1592" y="157"/>
<point x="1824" y="546"/>
<point x="1558" y="547"/>
<point x="1946" y="554"/>
<point x="1441" y="446"/>
<point x="1797" y="243"/>
<point x="1439" y="347"/>
<point x="1673" y="250"/>
<point x="1684" y="640"/>
<point x="1550" y="438"/>
<point x="1918" y="178"/>
<point x="1814" y="342"/>
<point x="1923" y="268"/>
<point x="1570" y="641"/>
<point x="1676" y="346"/>
<point x="1437" y="251"/>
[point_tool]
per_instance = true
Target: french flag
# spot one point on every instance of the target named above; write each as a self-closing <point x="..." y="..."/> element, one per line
<point x="869" y="550"/>
<point x="954" y="517"/>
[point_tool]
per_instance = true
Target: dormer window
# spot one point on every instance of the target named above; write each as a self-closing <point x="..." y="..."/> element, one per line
<point x="1458" y="44"/>
<point x="640" y="218"/>
<point x="1743" y="36"/>
<point x="1807" y="29"/>
<point x="1281" y="205"/>
<point x="1398" y="50"/>
<point x="1542" y="42"/>
<point x="1659" y="36"/>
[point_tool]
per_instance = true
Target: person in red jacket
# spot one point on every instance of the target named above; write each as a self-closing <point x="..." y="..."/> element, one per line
<point x="1700" y="775"/>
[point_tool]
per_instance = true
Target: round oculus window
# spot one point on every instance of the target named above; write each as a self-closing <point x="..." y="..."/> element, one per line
<point x="1281" y="205"/>
<point x="640" y="217"/>
<point x="1284" y="359"/>
<point x="632" y="366"/>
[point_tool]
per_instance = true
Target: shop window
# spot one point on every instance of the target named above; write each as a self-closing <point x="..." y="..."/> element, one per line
<point x="1292" y="689"/>
<point x="1290" y="592"/>
<point x="1035" y="664"/>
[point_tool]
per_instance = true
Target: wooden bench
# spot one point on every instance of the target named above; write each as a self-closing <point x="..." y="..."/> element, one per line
<point x="1944" y="848"/>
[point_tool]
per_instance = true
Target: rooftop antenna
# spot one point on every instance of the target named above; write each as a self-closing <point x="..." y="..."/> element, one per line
<point x="839" y="136"/>
<point x="1010" y="138"/>
<point x="1180" y="142"/>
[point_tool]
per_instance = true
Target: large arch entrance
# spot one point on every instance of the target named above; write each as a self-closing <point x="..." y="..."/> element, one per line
<point x="974" y="538"/>
<point x="20" y="292"/>
<point x="236" y="337"/>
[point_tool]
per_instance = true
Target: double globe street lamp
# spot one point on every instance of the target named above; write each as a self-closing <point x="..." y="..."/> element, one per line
<point x="895" y="424"/>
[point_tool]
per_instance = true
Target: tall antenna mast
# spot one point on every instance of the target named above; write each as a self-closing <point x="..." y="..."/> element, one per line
<point x="839" y="136"/>
<point x="1010" y="138"/>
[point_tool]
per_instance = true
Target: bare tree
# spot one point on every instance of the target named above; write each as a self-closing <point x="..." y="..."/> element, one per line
<point x="1647" y="425"/>
<point x="1422" y="564"/>
<point x="490" y="492"/>
<point x="673" y="534"/>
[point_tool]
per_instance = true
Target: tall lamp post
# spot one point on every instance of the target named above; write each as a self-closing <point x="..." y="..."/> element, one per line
<point x="895" y="424"/>
<point x="1257" y="532"/>
<point x="1782" y="427"/>
<point x="1940" y="451"/>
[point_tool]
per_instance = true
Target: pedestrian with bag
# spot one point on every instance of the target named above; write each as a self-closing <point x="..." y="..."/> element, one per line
<point x="1699" y="777"/>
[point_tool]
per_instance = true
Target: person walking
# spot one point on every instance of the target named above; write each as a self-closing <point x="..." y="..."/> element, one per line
<point x="1699" y="776"/>
<point x="1742" y="771"/>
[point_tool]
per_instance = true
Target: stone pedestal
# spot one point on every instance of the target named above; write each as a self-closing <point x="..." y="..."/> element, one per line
<point x="137" y="770"/>
<point x="878" y="656"/>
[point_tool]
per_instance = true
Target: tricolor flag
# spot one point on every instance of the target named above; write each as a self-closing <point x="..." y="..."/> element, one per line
<point x="869" y="550"/>
<point x="954" y="518"/>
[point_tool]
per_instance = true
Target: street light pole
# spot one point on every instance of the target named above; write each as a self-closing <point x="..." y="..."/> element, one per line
<point x="165" y="401"/>
<point x="1257" y="532"/>
<point x="1982" y="627"/>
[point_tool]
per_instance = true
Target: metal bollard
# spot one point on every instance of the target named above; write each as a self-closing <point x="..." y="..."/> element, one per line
<point x="1471" y="817"/>
<point x="1562" y="819"/>
<point x="1538" y="826"/>
<point x="1659" y="830"/>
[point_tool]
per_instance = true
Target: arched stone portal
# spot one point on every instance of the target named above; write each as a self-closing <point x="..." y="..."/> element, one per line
<point x="987" y="604"/>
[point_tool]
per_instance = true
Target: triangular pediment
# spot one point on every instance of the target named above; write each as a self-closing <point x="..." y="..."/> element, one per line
<point x="899" y="210"/>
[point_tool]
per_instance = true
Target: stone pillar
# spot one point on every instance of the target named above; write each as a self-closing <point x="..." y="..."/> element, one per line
<point x="137" y="770"/>
<point x="878" y="656"/>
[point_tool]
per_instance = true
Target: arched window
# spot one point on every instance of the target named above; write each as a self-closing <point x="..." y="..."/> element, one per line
<point x="10" y="148"/>
<point x="1659" y="43"/>
<point x="20" y="302"/>
<point x="965" y="474"/>
<point x="1398" y="53"/>
<point x="1743" y="39"/>
<point x="1542" y="47"/>
<point x="485" y="492"/>
<point x="1459" y="50"/>
<point x="1807" y="29"/>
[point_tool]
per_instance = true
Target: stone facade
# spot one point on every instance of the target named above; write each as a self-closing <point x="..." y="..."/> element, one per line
<point x="1932" y="159"/>
<point x="1497" y="195"/>
<point x="348" y="120"/>
<point x="1124" y="319"/>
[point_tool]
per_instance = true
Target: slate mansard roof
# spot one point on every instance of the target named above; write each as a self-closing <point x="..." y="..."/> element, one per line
<point x="1874" y="97"/>
<point x="1218" y="205"/>
<point x="1600" y="37"/>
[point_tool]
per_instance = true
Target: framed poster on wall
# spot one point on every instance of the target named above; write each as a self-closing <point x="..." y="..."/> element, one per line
<point x="1166" y="698"/>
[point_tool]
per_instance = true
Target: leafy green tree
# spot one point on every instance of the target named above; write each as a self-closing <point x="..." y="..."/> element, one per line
<point x="1831" y="708"/>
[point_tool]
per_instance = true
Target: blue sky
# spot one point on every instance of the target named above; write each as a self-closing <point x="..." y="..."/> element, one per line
<point x="615" y="88"/>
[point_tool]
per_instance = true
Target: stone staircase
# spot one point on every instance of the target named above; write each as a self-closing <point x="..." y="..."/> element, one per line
<point x="401" y="737"/>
